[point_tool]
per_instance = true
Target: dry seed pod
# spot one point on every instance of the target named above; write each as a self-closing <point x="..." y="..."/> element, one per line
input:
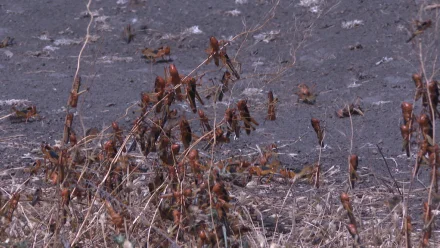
<point x="319" y="132"/>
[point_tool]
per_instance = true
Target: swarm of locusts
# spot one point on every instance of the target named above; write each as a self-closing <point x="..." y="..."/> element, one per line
<point x="173" y="134"/>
